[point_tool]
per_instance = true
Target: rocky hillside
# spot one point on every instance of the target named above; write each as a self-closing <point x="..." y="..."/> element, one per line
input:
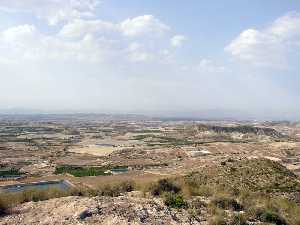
<point x="253" y="174"/>
<point x="97" y="210"/>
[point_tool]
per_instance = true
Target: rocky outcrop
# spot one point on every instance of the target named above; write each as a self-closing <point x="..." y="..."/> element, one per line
<point x="98" y="210"/>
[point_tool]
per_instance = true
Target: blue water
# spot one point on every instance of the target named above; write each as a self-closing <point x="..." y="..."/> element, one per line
<point x="119" y="170"/>
<point x="61" y="185"/>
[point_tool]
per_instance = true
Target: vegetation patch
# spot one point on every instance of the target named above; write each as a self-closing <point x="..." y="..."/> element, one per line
<point x="116" y="189"/>
<point x="173" y="200"/>
<point x="163" y="186"/>
<point x="269" y="216"/>
<point x="10" y="172"/>
<point x="82" y="171"/>
<point x="239" y="219"/>
<point x="227" y="203"/>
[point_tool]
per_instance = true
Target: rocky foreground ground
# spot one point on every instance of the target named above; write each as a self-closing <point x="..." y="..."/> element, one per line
<point x="235" y="192"/>
<point x="98" y="210"/>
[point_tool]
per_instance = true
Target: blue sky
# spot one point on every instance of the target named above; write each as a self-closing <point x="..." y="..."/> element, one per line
<point x="160" y="57"/>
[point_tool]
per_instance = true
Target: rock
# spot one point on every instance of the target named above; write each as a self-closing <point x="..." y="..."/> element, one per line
<point x="86" y="213"/>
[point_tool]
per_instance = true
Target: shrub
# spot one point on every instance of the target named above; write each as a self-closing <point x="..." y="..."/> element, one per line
<point x="109" y="190"/>
<point x="10" y="172"/>
<point x="238" y="219"/>
<point x="227" y="203"/>
<point x="88" y="192"/>
<point x="115" y="190"/>
<point x="163" y="186"/>
<point x="175" y="201"/>
<point x="268" y="216"/>
<point x="127" y="186"/>
<point x="3" y="206"/>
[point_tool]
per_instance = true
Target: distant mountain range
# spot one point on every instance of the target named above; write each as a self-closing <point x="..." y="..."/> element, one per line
<point x="211" y="114"/>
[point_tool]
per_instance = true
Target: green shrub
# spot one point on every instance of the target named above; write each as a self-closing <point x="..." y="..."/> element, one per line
<point x="10" y="172"/>
<point x="227" y="203"/>
<point x="175" y="201"/>
<point x="163" y="186"/>
<point x="268" y="216"/>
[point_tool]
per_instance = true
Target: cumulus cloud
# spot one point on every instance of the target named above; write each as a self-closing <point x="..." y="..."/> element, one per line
<point x="286" y="27"/>
<point x="25" y="42"/>
<point x="81" y="27"/>
<point x="271" y="46"/>
<point x="141" y="25"/>
<point x="177" y="40"/>
<point x="54" y="11"/>
<point x="82" y="36"/>
<point x="90" y="40"/>
<point x="146" y="25"/>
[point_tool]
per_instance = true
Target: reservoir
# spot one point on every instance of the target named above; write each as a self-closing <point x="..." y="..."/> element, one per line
<point x="62" y="185"/>
<point x="119" y="170"/>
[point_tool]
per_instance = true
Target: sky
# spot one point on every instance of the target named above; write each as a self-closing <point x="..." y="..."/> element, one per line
<point x="161" y="57"/>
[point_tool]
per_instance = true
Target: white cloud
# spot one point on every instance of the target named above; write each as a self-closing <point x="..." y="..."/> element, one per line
<point x="286" y="27"/>
<point x="141" y="25"/>
<point x="54" y="11"/>
<point x="269" y="47"/>
<point x="136" y="53"/>
<point x="81" y="27"/>
<point x="25" y="42"/>
<point x="83" y="41"/>
<point x="208" y="66"/>
<point x="22" y="32"/>
<point x="146" y="25"/>
<point x="177" y="40"/>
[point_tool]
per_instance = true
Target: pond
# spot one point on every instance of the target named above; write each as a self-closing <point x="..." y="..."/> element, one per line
<point x="62" y="185"/>
<point x="119" y="170"/>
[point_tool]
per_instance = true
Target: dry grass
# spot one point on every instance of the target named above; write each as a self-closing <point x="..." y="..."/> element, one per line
<point x="10" y="200"/>
<point x="116" y="189"/>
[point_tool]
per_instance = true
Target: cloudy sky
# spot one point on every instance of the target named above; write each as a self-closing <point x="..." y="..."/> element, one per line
<point x="155" y="56"/>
